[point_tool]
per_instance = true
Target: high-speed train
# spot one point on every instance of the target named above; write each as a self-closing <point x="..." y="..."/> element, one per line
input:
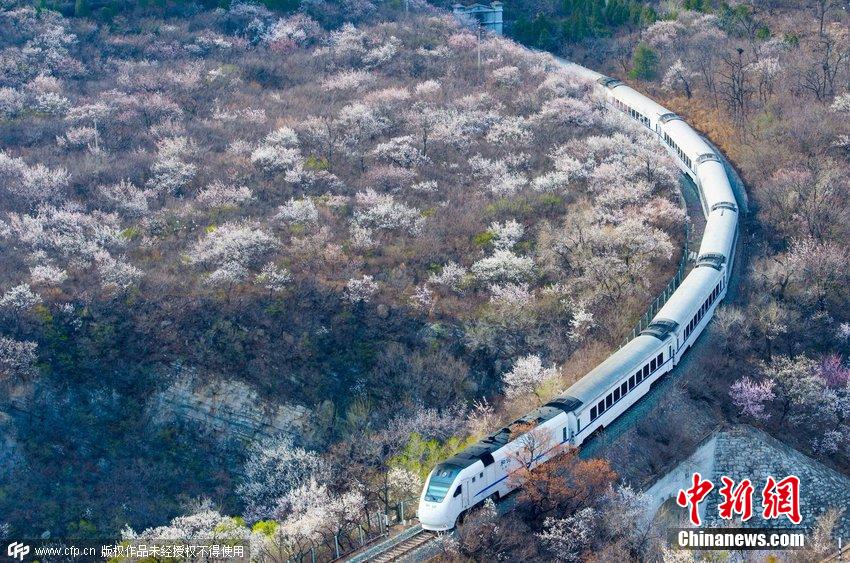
<point x="482" y="470"/>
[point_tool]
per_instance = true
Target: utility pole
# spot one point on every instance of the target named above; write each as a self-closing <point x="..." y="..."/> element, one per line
<point x="478" y="47"/>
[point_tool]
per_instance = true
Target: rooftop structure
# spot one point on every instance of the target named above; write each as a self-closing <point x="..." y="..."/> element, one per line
<point x="487" y="16"/>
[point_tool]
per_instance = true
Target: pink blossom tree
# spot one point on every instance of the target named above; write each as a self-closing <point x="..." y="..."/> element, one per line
<point x="750" y="397"/>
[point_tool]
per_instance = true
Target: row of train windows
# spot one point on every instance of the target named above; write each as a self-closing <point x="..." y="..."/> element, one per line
<point x="679" y="151"/>
<point x="703" y="310"/>
<point x="621" y="391"/>
<point x="635" y="114"/>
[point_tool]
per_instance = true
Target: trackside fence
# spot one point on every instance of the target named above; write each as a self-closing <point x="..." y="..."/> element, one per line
<point x="373" y="527"/>
<point x="662" y="297"/>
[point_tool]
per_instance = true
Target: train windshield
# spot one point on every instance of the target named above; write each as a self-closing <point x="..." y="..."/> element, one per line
<point x="440" y="482"/>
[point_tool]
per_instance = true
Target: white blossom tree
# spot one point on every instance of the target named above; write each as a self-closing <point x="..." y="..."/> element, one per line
<point x="47" y="275"/>
<point x="116" y="274"/>
<point x="507" y="234"/>
<point x="170" y="173"/>
<point x="382" y="211"/>
<point x="222" y="194"/>
<point x="240" y="243"/>
<point x="273" y="277"/>
<point x="403" y="483"/>
<point x="400" y="151"/>
<point x="527" y="375"/>
<point x="451" y="275"/>
<point x="361" y="290"/>
<point x="311" y="511"/>
<point x="275" y="467"/>
<point x="679" y="78"/>
<point x="125" y="197"/>
<point x="568" y="538"/>
<point x="301" y="211"/>
<point x="19" y="298"/>
<point x="503" y="265"/>
<point x="17" y="359"/>
<point x="203" y="524"/>
<point x="32" y="184"/>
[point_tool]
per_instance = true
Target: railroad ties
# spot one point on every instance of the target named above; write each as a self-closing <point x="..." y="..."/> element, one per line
<point x="396" y="548"/>
<point x="400" y="550"/>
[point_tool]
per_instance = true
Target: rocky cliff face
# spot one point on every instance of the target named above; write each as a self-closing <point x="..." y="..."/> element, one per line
<point x="231" y="409"/>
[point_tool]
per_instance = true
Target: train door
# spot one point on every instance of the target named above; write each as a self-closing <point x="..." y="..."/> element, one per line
<point x="464" y="495"/>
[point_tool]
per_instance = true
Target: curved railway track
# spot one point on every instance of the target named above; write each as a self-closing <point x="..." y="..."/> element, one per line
<point x="397" y="547"/>
<point x="406" y="547"/>
<point x="596" y="400"/>
<point x="593" y="402"/>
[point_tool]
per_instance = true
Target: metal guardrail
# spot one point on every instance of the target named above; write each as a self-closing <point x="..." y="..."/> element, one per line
<point x="383" y="547"/>
<point x="665" y="294"/>
<point x="372" y="528"/>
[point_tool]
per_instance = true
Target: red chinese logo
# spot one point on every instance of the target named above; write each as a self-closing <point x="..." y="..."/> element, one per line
<point x="782" y="498"/>
<point x="693" y="496"/>
<point x="736" y="500"/>
<point x="779" y="498"/>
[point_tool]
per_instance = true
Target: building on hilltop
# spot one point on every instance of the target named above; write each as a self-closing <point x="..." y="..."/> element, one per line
<point x="488" y="17"/>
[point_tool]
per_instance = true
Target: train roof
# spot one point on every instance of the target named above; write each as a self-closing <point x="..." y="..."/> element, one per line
<point x="715" y="182"/>
<point x="483" y="449"/>
<point x="624" y="361"/>
<point x="689" y="296"/>
<point x="635" y="99"/>
<point x="719" y="234"/>
<point x="687" y="139"/>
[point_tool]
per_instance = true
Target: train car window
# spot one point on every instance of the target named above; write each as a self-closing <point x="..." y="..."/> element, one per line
<point x="592" y="412"/>
<point x="632" y="381"/>
<point x="458" y="491"/>
<point x="652" y="364"/>
<point x="609" y="400"/>
<point x="660" y="358"/>
<point x="646" y="370"/>
<point x="481" y="475"/>
<point x="564" y="434"/>
<point x="473" y="478"/>
<point x="601" y="406"/>
<point x="617" y="394"/>
<point x="638" y="376"/>
<point x="624" y="388"/>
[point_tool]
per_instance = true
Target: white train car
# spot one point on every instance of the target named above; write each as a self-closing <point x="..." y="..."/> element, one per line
<point x="484" y="469"/>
